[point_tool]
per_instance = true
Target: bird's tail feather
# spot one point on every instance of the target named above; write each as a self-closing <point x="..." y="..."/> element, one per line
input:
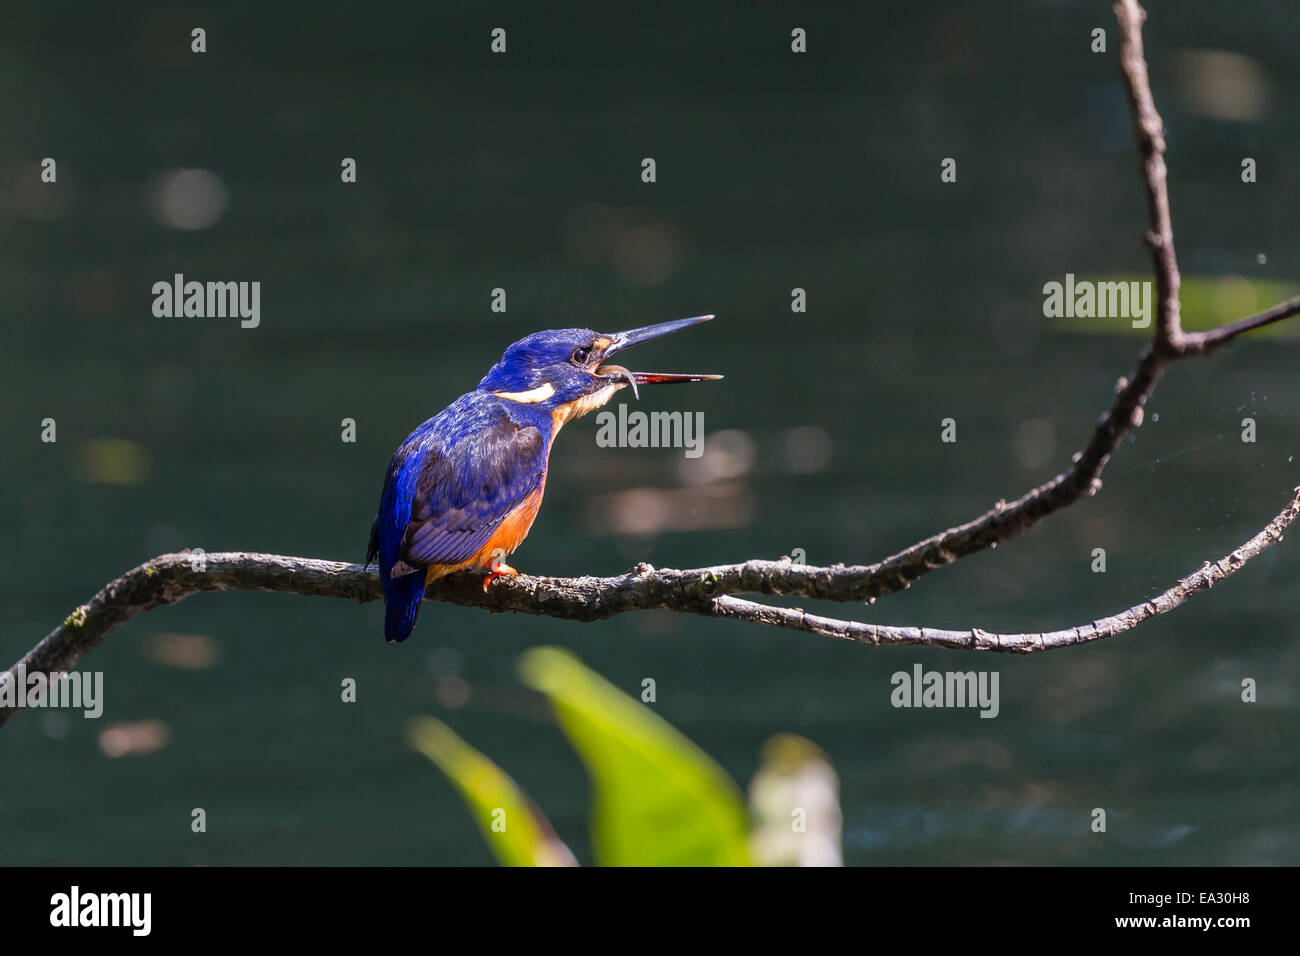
<point x="402" y="599"/>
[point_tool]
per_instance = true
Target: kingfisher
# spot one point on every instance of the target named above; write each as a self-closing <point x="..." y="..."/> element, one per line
<point x="463" y="489"/>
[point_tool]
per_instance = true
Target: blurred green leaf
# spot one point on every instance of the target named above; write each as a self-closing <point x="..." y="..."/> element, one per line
<point x="514" y="829"/>
<point x="1205" y="302"/>
<point x="659" y="799"/>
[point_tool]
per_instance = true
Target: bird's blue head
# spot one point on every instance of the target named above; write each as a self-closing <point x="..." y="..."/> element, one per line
<point x="564" y="370"/>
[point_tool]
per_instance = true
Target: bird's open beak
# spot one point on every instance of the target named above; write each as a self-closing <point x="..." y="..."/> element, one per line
<point x="623" y="340"/>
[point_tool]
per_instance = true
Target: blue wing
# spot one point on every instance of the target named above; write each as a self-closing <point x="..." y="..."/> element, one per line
<point x="452" y="483"/>
<point x="464" y="492"/>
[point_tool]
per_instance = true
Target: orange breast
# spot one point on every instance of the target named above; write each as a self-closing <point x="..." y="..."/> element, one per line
<point x="513" y="529"/>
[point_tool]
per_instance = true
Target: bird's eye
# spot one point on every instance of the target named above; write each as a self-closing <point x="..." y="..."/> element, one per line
<point x="581" y="355"/>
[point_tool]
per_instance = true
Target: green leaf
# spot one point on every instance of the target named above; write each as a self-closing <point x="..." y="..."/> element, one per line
<point x="514" y="829"/>
<point x="659" y="799"/>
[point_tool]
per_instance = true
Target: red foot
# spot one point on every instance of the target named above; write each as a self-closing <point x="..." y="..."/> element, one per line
<point x="498" y="570"/>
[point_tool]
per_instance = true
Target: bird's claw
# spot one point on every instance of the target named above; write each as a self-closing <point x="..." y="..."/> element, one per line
<point x="498" y="570"/>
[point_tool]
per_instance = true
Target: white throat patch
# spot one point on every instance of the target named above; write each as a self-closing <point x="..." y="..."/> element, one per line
<point x="531" y="397"/>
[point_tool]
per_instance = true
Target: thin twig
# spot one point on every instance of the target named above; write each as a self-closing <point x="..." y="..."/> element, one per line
<point x="1198" y="343"/>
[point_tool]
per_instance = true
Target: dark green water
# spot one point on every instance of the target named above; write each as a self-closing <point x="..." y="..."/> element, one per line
<point x="523" y="172"/>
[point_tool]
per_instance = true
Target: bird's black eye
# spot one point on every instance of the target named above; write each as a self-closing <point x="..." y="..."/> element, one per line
<point x="581" y="355"/>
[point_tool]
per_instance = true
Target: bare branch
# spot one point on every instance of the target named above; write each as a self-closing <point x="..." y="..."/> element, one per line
<point x="1210" y="574"/>
<point x="1149" y="131"/>
<point x="171" y="578"/>
<point x="1169" y="343"/>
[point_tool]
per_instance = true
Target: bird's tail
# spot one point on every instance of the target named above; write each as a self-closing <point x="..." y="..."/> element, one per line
<point x="402" y="599"/>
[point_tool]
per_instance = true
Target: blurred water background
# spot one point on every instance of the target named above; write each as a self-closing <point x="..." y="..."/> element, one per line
<point x="522" y="171"/>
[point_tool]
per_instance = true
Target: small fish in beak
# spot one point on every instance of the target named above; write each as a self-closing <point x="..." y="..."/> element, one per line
<point x="623" y="340"/>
